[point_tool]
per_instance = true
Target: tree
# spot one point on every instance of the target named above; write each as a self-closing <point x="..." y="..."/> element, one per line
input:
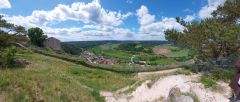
<point x="229" y="12"/>
<point x="173" y="36"/>
<point x="36" y="36"/>
<point x="212" y="39"/>
<point x="9" y="34"/>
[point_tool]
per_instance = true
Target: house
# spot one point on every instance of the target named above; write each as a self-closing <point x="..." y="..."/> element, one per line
<point x="52" y="43"/>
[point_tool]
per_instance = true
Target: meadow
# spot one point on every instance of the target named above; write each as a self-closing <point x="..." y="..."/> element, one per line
<point x="51" y="79"/>
<point x="114" y="51"/>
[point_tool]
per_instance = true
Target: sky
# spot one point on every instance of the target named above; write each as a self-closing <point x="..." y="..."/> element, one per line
<point x="84" y="20"/>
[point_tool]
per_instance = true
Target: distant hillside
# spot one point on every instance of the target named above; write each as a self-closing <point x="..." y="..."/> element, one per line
<point x="76" y="47"/>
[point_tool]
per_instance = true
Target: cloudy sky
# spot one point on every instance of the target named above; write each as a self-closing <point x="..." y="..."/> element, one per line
<point x="81" y="20"/>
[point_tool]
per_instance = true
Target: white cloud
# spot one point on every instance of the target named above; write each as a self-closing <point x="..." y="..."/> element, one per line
<point x="87" y="32"/>
<point x="99" y="24"/>
<point x="155" y="29"/>
<point x="78" y="11"/>
<point x="212" y="5"/>
<point x="4" y="4"/>
<point x="123" y="34"/>
<point x="144" y="17"/>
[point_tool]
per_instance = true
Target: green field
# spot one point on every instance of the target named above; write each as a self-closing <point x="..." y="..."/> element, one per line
<point x="109" y="51"/>
<point x="175" y="51"/>
<point x="54" y="80"/>
<point x="112" y="51"/>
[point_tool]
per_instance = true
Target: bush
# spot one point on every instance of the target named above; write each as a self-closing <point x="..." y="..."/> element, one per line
<point x="36" y="36"/>
<point x="7" y="57"/>
<point x="208" y="82"/>
<point x="222" y="74"/>
<point x="195" y="68"/>
<point x="97" y="96"/>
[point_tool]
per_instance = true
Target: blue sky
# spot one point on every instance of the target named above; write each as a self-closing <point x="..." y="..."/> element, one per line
<point x="81" y="20"/>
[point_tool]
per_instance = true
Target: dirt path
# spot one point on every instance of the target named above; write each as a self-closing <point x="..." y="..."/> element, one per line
<point x="143" y="75"/>
<point x="159" y="90"/>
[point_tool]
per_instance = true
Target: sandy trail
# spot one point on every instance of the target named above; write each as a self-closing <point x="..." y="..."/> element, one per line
<point x="143" y="75"/>
<point x="160" y="90"/>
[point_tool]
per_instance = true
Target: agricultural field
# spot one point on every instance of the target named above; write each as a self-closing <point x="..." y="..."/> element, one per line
<point x="142" y="53"/>
<point x="170" y="51"/>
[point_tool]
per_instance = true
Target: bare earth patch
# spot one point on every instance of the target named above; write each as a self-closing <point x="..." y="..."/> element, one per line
<point x="162" y="51"/>
<point x="159" y="90"/>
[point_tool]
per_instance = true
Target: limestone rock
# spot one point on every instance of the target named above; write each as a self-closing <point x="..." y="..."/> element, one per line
<point x="175" y="96"/>
<point x="52" y="43"/>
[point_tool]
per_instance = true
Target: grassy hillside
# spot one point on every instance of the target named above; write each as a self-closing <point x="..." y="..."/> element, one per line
<point x="55" y="80"/>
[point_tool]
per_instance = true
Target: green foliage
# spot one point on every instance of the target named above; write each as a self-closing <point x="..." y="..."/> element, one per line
<point x="17" y="33"/>
<point x="4" y="39"/>
<point x="229" y="12"/>
<point x="212" y="38"/>
<point x="97" y="96"/>
<point x="222" y="74"/>
<point x="7" y="57"/>
<point x="4" y="83"/>
<point x="135" y="47"/>
<point x="173" y="36"/>
<point x="207" y="82"/>
<point x="17" y="36"/>
<point x="36" y="36"/>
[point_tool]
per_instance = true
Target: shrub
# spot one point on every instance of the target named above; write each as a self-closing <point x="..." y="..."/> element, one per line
<point x="194" y="68"/>
<point x="208" y="82"/>
<point x="7" y="57"/>
<point x="222" y="74"/>
<point x="97" y="96"/>
<point x="36" y="36"/>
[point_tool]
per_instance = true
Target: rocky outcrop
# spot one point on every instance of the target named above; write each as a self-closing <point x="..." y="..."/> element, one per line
<point x="175" y="95"/>
<point x="52" y="43"/>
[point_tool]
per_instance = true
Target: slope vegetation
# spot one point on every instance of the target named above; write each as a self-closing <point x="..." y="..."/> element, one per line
<point x="53" y="80"/>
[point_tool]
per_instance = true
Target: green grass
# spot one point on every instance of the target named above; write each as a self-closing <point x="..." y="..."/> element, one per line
<point x="222" y="74"/>
<point x="102" y="80"/>
<point x="110" y="51"/>
<point x="161" y="62"/>
<point x="208" y="82"/>
<point x="54" y="80"/>
<point x="181" y="53"/>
